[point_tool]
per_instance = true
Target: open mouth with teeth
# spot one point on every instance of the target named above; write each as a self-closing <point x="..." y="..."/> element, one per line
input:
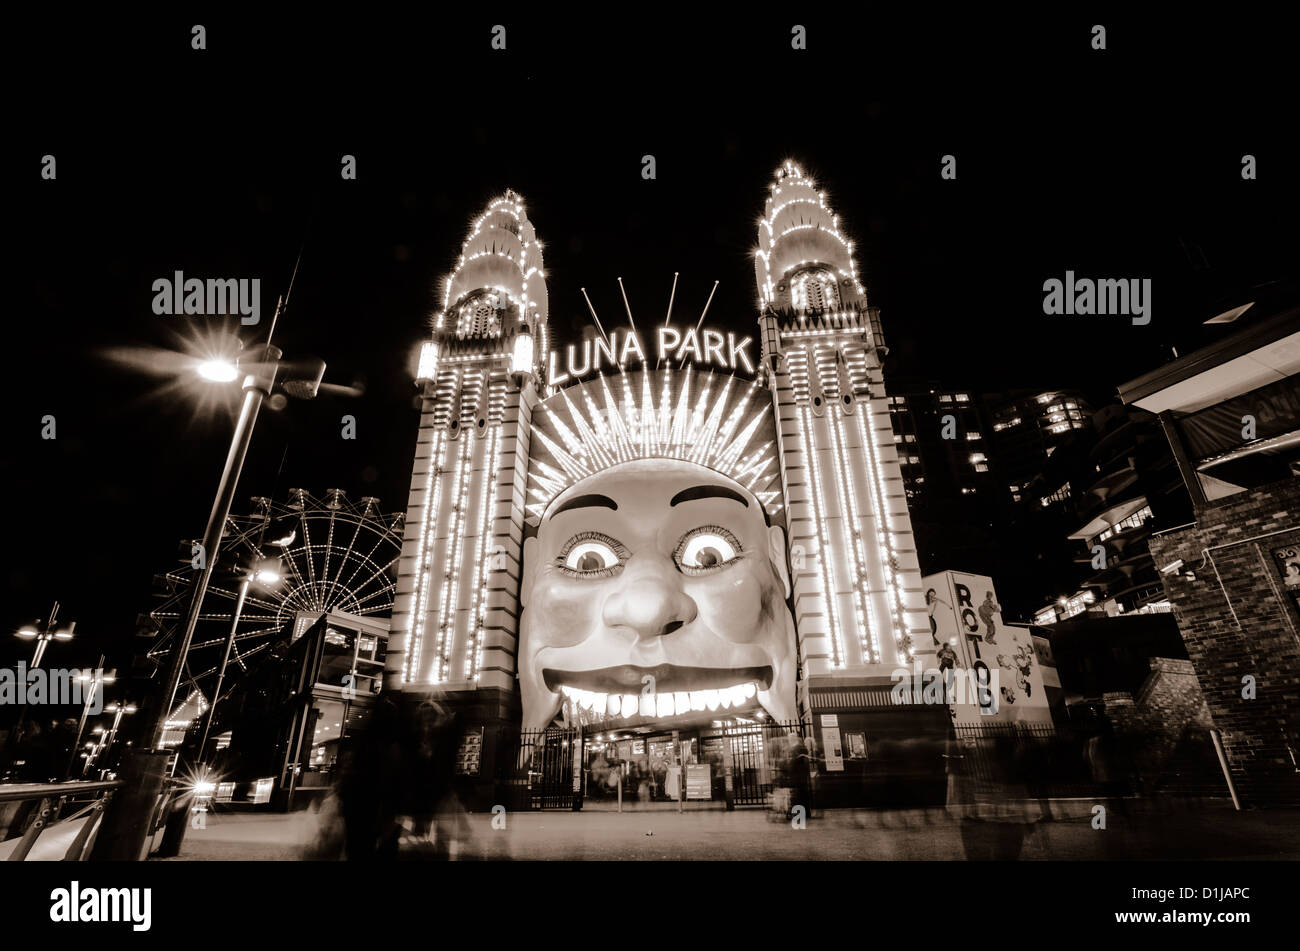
<point x="621" y="691"/>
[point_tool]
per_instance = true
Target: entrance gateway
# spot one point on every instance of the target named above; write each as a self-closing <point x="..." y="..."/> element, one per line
<point x="657" y="532"/>
<point x="730" y="762"/>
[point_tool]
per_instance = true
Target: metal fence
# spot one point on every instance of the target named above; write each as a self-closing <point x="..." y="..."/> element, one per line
<point x="547" y="769"/>
<point x="62" y="817"/>
<point x="762" y="757"/>
<point x="535" y="768"/>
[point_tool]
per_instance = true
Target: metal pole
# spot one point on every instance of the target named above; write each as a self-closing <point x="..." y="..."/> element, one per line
<point x="257" y="384"/>
<point x="225" y="659"/>
<point x="1223" y="764"/>
<point x="42" y="642"/>
<point x="85" y="711"/>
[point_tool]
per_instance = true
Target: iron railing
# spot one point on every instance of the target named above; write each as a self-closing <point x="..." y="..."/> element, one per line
<point x="40" y="807"/>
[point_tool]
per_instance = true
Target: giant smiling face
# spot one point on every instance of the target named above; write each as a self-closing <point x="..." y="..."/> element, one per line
<point x="655" y="569"/>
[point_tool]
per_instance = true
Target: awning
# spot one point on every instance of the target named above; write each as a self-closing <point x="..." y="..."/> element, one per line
<point x="1253" y="357"/>
<point x="1111" y="516"/>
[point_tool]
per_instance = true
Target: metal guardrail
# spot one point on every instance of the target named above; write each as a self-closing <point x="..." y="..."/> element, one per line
<point x="51" y="800"/>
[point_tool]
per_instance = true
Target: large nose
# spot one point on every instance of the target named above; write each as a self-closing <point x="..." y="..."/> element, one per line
<point x="649" y="598"/>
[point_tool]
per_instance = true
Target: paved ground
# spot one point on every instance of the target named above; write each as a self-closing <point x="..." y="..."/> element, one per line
<point x="1149" y="832"/>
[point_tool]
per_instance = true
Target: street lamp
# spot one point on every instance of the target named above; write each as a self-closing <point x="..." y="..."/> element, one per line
<point x="110" y="735"/>
<point x="261" y="373"/>
<point x="265" y="572"/>
<point x="93" y="681"/>
<point x="42" y="635"/>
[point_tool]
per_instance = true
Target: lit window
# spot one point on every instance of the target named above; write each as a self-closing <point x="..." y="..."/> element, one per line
<point x="897" y="438"/>
<point x="945" y="398"/>
<point x="981" y="467"/>
<point x="977" y="457"/>
<point x="963" y="398"/>
<point x="972" y="436"/>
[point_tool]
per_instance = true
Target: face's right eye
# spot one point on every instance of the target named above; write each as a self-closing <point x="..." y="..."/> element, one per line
<point x="591" y="555"/>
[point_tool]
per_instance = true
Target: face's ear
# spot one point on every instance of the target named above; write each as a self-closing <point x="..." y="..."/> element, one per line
<point x="776" y="543"/>
<point x="528" y="570"/>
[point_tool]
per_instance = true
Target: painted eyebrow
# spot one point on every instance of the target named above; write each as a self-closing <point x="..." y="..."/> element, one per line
<point x="587" y="501"/>
<point x="708" y="492"/>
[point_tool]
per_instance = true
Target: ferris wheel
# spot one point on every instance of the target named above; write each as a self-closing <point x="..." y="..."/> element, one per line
<point x="329" y="555"/>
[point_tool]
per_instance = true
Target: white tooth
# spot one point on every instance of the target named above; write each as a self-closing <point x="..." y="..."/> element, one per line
<point x="613" y="704"/>
<point x="711" y="699"/>
<point x="750" y="689"/>
<point x="698" y="700"/>
<point x="567" y="692"/>
<point x="682" y="701"/>
<point x="664" y="704"/>
<point x="584" y="699"/>
<point x="647" y="706"/>
<point x="631" y="702"/>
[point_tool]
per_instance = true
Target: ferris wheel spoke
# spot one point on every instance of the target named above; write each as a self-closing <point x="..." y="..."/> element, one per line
<point x="347" y="556"/>
<point x="306" y="547"/>
<point x="325" y="564"/>
<point x="369" y="558"/>
<point x="375" y="574"/>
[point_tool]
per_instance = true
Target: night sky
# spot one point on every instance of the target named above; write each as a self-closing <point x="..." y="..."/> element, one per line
<point x="223" y="163"/>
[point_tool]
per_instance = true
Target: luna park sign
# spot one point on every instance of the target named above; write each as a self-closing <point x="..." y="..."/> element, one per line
<point x="623" y="348"/>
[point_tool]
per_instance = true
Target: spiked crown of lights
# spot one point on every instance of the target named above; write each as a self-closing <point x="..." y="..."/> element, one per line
<point x="711" y="419"/>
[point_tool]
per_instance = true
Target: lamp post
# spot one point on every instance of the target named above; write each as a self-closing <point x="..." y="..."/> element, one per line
<point x="93" y="683"/>
<point x="126" y="823"/>
<point x="257" y="384"/>
<point x="42" y="636"/>
<point x="266" y="572"/>
<point x="109" y="736"/>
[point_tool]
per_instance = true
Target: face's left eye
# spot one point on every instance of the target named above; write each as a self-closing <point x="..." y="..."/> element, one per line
<point x="706" y="549"/>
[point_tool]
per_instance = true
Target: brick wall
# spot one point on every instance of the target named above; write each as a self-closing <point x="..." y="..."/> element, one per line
<point x="1238" y="621"/>
<point x="1168" y="716"/>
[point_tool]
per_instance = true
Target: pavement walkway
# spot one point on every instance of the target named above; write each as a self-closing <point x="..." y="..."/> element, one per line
<point x="1145" y="831"/>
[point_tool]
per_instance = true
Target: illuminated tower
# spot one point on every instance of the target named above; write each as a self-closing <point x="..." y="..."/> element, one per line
<point x="858" y="602"/>
<point x="454" y="616"/>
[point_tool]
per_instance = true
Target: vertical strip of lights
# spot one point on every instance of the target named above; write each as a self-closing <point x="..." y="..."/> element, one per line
<point x="424" y="557"/>
<point x="823" y="554"/>
<point x="868" y="638"/>
<point x="482" y="564"/>
<point x="455" y="537"/>
<point x="885" y="533"/>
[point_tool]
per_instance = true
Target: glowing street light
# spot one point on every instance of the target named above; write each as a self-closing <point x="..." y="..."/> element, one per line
<point x="218" y="371"/>
<point x="44" y="634"/>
